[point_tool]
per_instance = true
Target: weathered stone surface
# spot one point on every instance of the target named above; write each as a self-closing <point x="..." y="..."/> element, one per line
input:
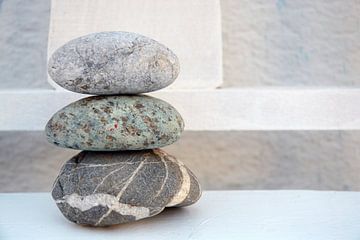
<point x="107" y="188"/>
<point x="112" y="123"/>
<point x="113" y="63"/>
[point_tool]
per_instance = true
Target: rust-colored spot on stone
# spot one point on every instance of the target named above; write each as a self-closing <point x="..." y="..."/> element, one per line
<point x="132" y="130"/>
<point x="110" y="138"/>
<point x="57" y="127"/>
<point x="84" y="87"/>
<point x="86" y="128"/>
<point x="103" y="120"/>
<point x="138" y="106"/>
<point x="107" y="109"/>
<point x="150" y="123"/>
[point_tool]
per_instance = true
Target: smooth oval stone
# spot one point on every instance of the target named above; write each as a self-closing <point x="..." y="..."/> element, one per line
<point x="113" y="123"/>
<point x="113" y="63"/>
<point x="107" y="188"/>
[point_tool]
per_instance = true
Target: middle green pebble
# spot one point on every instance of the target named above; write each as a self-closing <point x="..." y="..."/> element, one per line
<point x="114" y="123"/>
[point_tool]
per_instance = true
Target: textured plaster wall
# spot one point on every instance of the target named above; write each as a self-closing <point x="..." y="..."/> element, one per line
<point x="265" y="42"/>
<point x="291" y="42"/>
<point x="24" y="26"/>
<point x="222" y="160"/>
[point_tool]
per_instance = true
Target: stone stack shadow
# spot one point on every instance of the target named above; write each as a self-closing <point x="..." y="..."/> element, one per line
<point x="121" y="175"/>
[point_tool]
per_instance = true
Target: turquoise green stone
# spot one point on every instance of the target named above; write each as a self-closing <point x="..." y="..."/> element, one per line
<point x="114" y="123"/>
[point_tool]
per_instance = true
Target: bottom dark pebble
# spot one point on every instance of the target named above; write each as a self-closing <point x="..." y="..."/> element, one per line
<point x="108" y="188"/>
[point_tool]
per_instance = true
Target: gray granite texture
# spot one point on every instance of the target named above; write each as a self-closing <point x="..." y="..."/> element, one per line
<point x="113" y="123"/>
<point x="107" y="188"/>
<point x="113" y="63"/>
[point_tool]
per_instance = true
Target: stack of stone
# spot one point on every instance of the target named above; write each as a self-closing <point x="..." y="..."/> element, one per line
<point x="121" y="175"/>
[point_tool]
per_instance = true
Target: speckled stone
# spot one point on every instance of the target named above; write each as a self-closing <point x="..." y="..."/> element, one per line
<point x="113" y="63"/>
<point x="113" y="123"/>
<point x="107" y="188"/>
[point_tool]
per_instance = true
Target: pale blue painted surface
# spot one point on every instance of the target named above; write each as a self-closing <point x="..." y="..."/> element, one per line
<point x="280" y="4"/>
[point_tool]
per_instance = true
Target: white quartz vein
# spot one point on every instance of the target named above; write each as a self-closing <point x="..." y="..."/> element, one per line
<point x="107" y="176"/>
<point x="123" y="190"/>
<point x="184" y="190"/>
<point x="166" y="173"/>
<point x="84" y="203"/>
<point x="84" y="166"/>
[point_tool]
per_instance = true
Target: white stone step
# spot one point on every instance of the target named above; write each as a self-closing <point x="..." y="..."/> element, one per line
<point x="271" y="215"/>
<point x="219" y="109"/>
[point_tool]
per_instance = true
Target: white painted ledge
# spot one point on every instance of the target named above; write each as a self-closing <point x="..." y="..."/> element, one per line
<point x="220" y="109"/>
<point x="218" y="215"/>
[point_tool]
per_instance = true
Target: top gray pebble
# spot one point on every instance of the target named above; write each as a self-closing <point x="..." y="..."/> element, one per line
<point x="108" y="63"/>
